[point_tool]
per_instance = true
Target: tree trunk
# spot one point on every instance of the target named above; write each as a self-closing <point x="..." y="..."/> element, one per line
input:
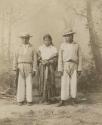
<point x="9" y="40"/>
<point x="2" y="34"/>
<point x="93" y="38"/>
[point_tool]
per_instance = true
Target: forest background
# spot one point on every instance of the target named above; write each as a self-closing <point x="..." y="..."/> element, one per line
<point x="39" y="17"/>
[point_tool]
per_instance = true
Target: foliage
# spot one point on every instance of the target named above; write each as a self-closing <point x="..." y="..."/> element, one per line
<point x="90" y="80"/>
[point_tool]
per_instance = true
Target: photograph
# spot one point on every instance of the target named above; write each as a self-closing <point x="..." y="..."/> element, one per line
<point x="50" y="62"/>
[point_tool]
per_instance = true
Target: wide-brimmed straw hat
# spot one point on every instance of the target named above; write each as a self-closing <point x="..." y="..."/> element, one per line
<point x="27" y="35"/>
<point x="68" y="32"/>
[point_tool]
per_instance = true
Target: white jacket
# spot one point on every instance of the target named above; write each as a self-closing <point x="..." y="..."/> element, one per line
<point x="69" y="51"/>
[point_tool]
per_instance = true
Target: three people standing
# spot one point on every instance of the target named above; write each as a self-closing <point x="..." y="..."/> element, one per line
<point x="69" y="67"/>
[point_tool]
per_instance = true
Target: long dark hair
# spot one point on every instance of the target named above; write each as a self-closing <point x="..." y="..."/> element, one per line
<point x="48" y="36"/>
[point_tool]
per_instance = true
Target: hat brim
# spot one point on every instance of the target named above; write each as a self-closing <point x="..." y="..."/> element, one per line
<point x="67" y="34"/>
<point x="25" y="36"/>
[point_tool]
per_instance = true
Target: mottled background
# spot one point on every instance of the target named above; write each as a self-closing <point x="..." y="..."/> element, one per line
<point x="39" y="17"/>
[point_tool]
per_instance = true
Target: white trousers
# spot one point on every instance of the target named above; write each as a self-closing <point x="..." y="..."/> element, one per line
<point x="24" y="89"/>
<point x="69" y="85"/>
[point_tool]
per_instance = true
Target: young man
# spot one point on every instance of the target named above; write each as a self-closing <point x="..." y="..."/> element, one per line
<point x="69" y="66"/>
<point x="47" y="55"/>
<point x="25" y="62"/>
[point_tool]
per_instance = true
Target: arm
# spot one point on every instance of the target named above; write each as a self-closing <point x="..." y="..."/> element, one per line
<point x="60" y="60"/>
<point x="34" y="61"/>
<point x="39" y="56"/>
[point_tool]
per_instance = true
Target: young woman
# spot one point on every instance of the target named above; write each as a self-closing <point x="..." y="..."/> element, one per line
<point x="47" y="61"/>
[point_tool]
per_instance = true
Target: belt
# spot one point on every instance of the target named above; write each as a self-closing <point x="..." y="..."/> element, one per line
<point x="25" y="62"/>
<point x="72" y="61"/>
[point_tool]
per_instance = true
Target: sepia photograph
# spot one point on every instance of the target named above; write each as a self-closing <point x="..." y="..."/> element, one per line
<point x="50" y="62"/>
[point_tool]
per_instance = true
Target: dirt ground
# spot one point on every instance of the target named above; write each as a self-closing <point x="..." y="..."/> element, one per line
<point x="85" y="113"/>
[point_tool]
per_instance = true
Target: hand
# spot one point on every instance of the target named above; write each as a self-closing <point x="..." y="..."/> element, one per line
<point x="60" y="73"/>
<point x="14" y="71"/>
<point x="79" y="73"/>
<point x="44" y="62"/>
<point x="51" y="61"/>
<point x="33" y="73"/>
